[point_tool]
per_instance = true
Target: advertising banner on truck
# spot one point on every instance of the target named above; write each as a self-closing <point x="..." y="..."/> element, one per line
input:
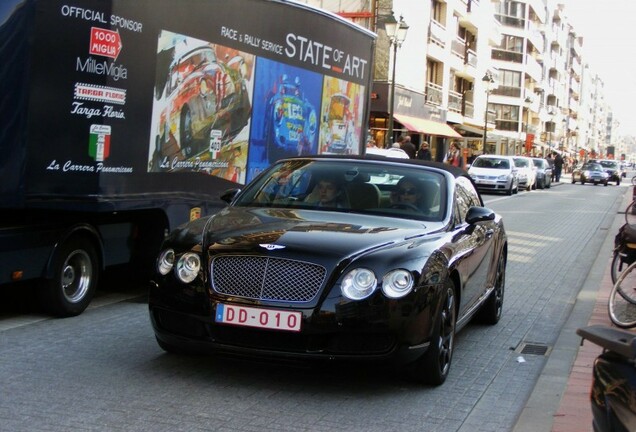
<point x="140" y="96"/>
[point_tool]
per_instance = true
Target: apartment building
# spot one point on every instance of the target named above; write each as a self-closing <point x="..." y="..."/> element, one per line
<point x="500" y="76"/>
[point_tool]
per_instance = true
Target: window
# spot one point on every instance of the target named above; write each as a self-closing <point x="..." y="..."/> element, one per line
<point x="512" y="43"/>
<point x="466" y="197"/>
<point x="511" y="8"/>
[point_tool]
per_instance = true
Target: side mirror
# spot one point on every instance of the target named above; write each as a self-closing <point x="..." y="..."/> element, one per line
<point x="229" y="195"/>
<point x="479" y="214"/>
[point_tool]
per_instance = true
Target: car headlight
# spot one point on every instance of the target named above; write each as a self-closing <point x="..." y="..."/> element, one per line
<point x="165" y="262"/>
<point x="503" y="177"/>
<point x="358" y="284"/>
<point x="586" y="173"/>
<point x="188" y="267"/>
<point x="397" y="283"/>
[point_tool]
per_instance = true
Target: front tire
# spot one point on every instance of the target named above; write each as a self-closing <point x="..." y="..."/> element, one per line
<point x="433" y="367"/>
<point x="75" y="276"/>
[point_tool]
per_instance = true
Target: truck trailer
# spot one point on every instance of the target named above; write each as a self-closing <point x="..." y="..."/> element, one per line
<point x="122" y="119"/>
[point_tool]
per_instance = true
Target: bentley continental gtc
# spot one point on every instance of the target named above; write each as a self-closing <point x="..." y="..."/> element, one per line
<point x="335" y="258"/>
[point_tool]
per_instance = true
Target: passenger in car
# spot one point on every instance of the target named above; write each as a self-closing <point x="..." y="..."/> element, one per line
<point x="329" y="193"/>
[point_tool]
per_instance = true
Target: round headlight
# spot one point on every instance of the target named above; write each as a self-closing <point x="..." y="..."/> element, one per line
<point x="359" y="284"/>
<point x="165" y="262"/>
<point x="397" y="283"/>
<point x="188" y="267"/>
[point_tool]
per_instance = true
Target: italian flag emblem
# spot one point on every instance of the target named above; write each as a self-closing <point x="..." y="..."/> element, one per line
<point x="99" y="142"/>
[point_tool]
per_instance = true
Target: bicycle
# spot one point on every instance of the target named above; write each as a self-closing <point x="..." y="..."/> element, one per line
<point x="624" y="243"/>
<point x="622" y="299"/>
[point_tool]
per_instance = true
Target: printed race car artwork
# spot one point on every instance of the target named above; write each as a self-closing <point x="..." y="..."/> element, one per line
<point x="285" y="120"/>
<point x="340" y="129"/>
<point x="341" y="118"/>
<point x="202" y="100"/>
<point x="291" y="122"/>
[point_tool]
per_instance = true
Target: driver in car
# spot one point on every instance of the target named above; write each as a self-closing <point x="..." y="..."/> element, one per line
<point x="408" y="193"/>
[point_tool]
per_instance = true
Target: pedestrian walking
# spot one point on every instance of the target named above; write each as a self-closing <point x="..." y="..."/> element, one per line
<point x="558" y="166"/>
<point x="424" y="153"/>
<point x="454" y="155"/>
<point x="408" y="147"/>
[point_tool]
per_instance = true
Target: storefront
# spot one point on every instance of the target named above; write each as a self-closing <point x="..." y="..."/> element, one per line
<point x="411" y="117"/>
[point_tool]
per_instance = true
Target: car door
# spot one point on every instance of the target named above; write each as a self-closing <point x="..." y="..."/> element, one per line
<point x="475" y="245"/>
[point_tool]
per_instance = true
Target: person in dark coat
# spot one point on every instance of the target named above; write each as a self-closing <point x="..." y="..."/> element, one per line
<point x="424" y="153"/>
<point x="558" y="166"/>
<point x="408" y="147"/>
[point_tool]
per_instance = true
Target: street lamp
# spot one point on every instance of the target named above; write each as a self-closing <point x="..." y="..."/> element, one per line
<point x="396" y="32"/>
<point x="488" y="82"/>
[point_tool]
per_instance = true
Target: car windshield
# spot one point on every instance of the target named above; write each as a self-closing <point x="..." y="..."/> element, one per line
<point x="538" y="163"/>
<point x="521" y="163"/>
<point x="370" y="187"/>
<point x="609" y="164"/>
<point x="592" y="167"/>
<point x="494" y="163"/>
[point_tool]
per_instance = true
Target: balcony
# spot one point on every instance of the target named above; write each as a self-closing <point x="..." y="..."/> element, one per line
<point x="507" y="125"/>
<point x="455" y="101"/>
<point x="538" y="9"/>
<point x="458" y="48"/>
<point x="510" y="21"/>
<point x="434" y="94"/>
<point x="507" y="91"/>
<point x="468" y="109"/>
<point x="469" y="19"/>
<point x="533" y="68"/>
<point x="509" y="56"/>
<point x="535" y="36"/>
<point x="437" y="34"/>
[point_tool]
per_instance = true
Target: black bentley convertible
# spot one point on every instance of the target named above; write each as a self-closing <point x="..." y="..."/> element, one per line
<point x="335" y="258"/>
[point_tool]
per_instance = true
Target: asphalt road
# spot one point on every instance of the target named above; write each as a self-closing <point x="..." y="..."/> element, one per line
<point x="103" y="371"/>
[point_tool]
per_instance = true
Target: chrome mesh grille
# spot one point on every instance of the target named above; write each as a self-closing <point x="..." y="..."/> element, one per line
<point x="264" y="278"/>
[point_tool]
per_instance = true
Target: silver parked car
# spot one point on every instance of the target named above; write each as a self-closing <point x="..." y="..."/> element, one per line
<point x="544" y="173"/>
<point x="527" y="172"/>
<point x="495" y="173"/>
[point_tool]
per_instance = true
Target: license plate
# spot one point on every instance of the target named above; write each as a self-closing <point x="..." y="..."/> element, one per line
<point x="258" y="317"/>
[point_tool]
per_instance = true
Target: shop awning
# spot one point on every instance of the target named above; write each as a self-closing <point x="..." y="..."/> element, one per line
<point x="428" y="127"/>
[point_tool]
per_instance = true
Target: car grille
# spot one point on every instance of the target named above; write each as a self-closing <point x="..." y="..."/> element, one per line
<point x="264" y="278"/>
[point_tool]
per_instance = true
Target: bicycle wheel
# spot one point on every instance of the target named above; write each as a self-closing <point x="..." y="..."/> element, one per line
<point x="622" y="299"/>
<point x="618" y="265"/>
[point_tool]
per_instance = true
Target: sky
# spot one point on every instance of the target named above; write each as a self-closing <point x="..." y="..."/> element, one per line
<point x="609" y="46"/>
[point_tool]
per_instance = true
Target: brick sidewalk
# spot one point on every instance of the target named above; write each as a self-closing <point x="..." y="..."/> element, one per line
<point x="575" y="413"/>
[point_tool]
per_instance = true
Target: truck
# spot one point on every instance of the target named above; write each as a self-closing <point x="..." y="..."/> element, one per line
<point x="122" y="119"/>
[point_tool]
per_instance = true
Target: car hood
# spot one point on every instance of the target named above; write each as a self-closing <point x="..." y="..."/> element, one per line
<point x="293" y="232"/>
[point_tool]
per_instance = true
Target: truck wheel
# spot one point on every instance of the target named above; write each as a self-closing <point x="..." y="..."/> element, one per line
<point x="75" y="276"/>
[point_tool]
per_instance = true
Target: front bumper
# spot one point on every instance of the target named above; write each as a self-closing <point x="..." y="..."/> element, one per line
<point x="334" y="330"/>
